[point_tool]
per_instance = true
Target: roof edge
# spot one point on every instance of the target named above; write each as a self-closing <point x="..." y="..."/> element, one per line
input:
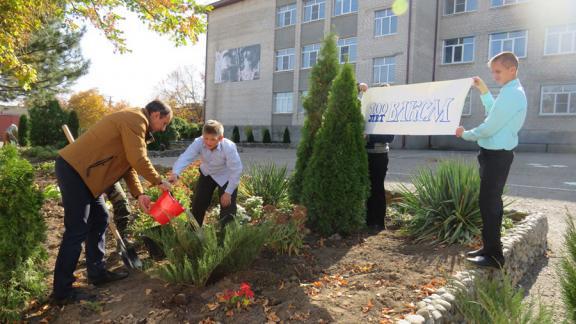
<point x="223" y="3"/>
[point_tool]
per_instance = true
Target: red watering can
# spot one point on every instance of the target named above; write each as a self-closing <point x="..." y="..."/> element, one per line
<point x="166" y="208"/>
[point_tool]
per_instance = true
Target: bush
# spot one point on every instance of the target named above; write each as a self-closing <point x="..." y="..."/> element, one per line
<point x="249" y="134"/>
<point x="22" y="231"/>
<point x="266" y="136"/>
<point x="196" y="256"/>
<point x="268" y="181"/>
<point x="444" y="204"/>
<point x="40" y="153"/>
<point x="568" y="270"/>
<point x="286" y="136"/>
<point x="46" y="125"/>
<point x="287" y="232"/>
<point x="73" y="123"/>
<point x="336" y="180"/>
<point x="236" y="135"/>
<point x="497" y="301"/>
<point x="184" y="129"/>
<point x="23" y="131"/>
<point x="162" y="139"/>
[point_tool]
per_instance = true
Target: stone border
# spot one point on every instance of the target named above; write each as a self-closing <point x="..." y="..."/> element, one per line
<point x="522" y="244"/>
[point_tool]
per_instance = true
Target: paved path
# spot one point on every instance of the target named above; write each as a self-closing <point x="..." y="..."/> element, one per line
<point x="538" y="182"/>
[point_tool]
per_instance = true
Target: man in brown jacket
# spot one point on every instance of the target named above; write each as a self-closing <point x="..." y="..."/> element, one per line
<point x="112" y="149"/>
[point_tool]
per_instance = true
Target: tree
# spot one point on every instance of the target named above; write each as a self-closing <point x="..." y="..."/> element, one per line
<point x="314" y="104"/>
<point x="54" y="53"/>
<point x="46" y="125"/>
<point x="73" y="123"/>
<point x="182" y="20"/>
<point x="236" y="135"/>
<point x="183" y="90"/>
<point x="90" y="106"/>
<point x="266" y="136"/>
<point x="23" y="131"/>
<point x="336" y="181"/>
<point x="249" y="134"/>
<point x="286" y="136"/>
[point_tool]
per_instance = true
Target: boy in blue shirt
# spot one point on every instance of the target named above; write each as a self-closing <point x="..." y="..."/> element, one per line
<point x="497" y="137"/>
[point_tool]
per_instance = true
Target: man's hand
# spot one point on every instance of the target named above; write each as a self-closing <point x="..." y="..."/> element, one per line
<point x="165" y="185"/>
<point x="144" y="202"/>
<point x="172" y="178"/>
<point x="226" y="200"/>
<point x="459" y="131"/>
<point x="480" y="85"/>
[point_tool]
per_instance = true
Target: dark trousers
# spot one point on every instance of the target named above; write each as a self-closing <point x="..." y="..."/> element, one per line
<point x="85" y="220"/>
<point x="494" y="169"/>
<point x="376" y="204"/>
<point x="203" y="197"/>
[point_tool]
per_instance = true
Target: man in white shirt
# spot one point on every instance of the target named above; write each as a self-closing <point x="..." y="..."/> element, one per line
<point x="220" y="168"/>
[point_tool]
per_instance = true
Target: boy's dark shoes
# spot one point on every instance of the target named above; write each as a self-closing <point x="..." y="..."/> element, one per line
<point x="487" y="261"/>
<point x="476" y="253"/>
<point x="75" y="296"/>
<point x="108" y="277"/>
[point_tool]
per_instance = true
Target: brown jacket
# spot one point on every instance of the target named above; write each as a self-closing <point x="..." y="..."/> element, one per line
<point x="112" y="149"/>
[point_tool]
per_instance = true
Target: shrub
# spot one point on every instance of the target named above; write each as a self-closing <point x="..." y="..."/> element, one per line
<point x="196" y="256"/>
<point x="249" y="134"/>
<point x="45" y="168"/>
<point x="22" y="231"/>
<point x="444" y="204"/>
<point x="315" y="103"/>
<point x="266" y="180"/>
<point x="236" y="135"/>
<point x="287" y="232"/>
<point x="568" y="270"/>
<point x="40" y="153"/>
<point x="162" y="139"/>
<point x="497" y="301"/>
<point x="286" y="136"/>
<point x="23" y="131"/>
<point x="45" y="125"/>
<point x="73" y="123"/>
<point x="266" y="136"/>
<point x="336" y="180"/>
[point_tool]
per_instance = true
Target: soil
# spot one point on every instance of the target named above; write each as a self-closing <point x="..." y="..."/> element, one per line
<point x="369" y="277"/>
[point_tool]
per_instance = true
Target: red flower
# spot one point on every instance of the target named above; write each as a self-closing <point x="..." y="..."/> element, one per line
<point x="246" y="290"/>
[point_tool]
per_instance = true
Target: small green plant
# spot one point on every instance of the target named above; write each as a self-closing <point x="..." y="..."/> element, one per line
<point x="266" y="180"/>
<point x="266" y="136"/>
<point x="568" y="270"/>
<point x="52" y="192"/>
<point x="288" y="229"/>
<point x="236" y="135"/>
<point x="249" y="134"/>
<point x="45" y="168"/>
<point x="40" y="153"/>
<point x="286" y="136"/>
<point x="444" y="204"/>
<point x="497" y="301"/>
<point x="253" y="207"/>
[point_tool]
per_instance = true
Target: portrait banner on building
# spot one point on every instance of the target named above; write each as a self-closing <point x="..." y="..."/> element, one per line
<point x="432" y="108"/>
<point x="237" y="64"/>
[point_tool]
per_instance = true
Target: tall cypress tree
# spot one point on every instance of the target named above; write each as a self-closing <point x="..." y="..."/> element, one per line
<point x="23" y="131"/>
<point x="45" y="125"/>
<point x="336" y="180"/>
<point x="73" y="123"/>
<point x="321" y="77"/>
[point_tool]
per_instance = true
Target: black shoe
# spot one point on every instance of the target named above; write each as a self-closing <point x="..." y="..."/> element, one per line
<point x="108" y="277"/>
<point x="473" y="254"/>
<point x="76" y="295"/>
<point x="488" y="261"/>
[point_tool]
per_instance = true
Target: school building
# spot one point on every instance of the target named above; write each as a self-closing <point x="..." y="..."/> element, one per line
<point x="260" y="52"/>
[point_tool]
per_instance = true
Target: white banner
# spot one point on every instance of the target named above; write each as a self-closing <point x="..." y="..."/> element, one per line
<point x="432" y="108"/>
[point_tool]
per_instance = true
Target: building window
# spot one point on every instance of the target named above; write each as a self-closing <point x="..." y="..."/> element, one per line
<point x="342" y="7"/>
<point x="457" y="6"/>
<point x="386" y="23"/>
<point x="560" y="40"/>
<point x="347" y="50"/>
<point x="303" y="95"/>
<point x="515" y="42"/>
<point x="467" y="110"/>
<point x="558" y="100"/>
<point x="500" y="3"/>
<point x="310" y="55"/>
<point x="286" y="15"/>
<point x="459" y="50"/>
<point x="314" y="10"/>
<point x="283" y="103"/>
<point x="285" y="59"/>
<point x="384" y="70"/>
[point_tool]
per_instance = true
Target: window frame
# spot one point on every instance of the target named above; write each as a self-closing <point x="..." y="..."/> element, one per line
<point x="391" y="69"/>
<point x="340" y="47"/>
<point x="342" y="13"/>
<point x="289" y="96"/>
<point x="463" y="46"/>
<point x="570" y="95"/>
<point x="316" y="3"/>
<point x="293" y="9"/>
<point x="504" y="4"/>
<point x="508" y="38"/>
<point x="466" y="8"/>
<point x="392" y="17"/>
<point x="291" y="59"/>
<point x="567" y="31"/>
<point x="316" y="49"/>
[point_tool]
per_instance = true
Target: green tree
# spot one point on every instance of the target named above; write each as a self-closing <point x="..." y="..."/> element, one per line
<point x="266" y="136"/>
<point x="236" y="135"/>
<point x="54" y="53"/>
<point x="23" y="131"/>
<point x="46" y="125"/>
<point x="322" y="75"/>
<point x="73" y="123"/>
<point x="249" y="134"/>
<point x="336" y="181"/>
<point x="568" y="270"/>
<point x="182" y="20"/>
<point x="286" y="136"/>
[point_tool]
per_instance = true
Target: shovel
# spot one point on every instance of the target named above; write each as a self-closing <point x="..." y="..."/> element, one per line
<point x="128" y="254"/>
